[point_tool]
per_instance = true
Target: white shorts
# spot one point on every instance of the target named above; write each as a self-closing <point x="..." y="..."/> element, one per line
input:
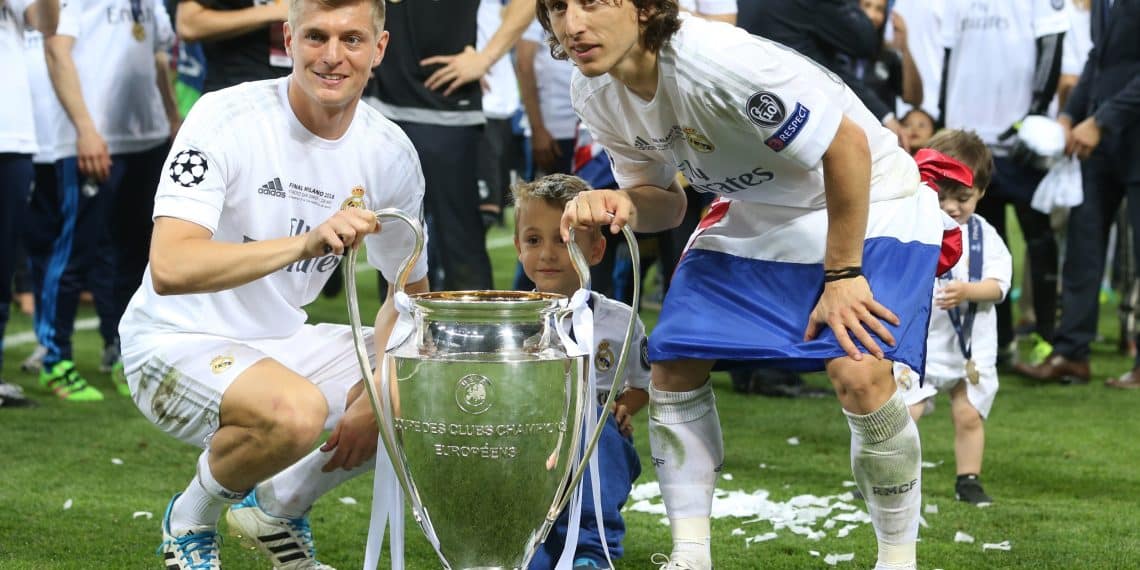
<point x="177" y="379"/>
<point x="980" y="395"/>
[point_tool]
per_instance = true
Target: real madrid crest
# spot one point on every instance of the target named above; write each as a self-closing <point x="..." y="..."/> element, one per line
<point x="604" y="357"/>
<point x="356" y="200"/>
<point x="221" y="362"/>
<point x="473" y="393"/>
<point x="698" y="141"/>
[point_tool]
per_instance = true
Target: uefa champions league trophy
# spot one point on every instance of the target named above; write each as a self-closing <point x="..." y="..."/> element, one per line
<point x="481" y="410"/>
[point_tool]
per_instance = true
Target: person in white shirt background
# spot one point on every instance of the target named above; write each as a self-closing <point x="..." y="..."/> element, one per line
<point x="110" y="132"/>
<point x="17" y="145"/>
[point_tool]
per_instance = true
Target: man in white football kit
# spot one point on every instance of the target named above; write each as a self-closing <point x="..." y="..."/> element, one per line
<point x="253" y="212"/>
<point x="826" y="226"/>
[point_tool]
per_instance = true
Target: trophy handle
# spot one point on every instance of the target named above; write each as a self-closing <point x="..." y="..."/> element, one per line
<point x="382" y="402"/>
<point x="583" y="269"/>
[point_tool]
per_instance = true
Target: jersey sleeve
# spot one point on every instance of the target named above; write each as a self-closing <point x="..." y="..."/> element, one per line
<point x="196" y="173"/>
<point x="404" y="190"/>
<point x="790" y="102"/>
<point x="950" y="26"/>
<point x="70" y="12"/>
<point x="637" y="371"/>
<point x="1050" y="17"/>
<point x="20" y="9"/>
<point x="997" y="263"/>
<point x="163" y="33"/>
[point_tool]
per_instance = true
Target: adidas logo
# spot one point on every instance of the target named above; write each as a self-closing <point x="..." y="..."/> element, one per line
<point x="272" y="188"/>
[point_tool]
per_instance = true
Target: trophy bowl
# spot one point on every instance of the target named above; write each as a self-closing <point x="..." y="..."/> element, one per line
<point x="481" y="401"/>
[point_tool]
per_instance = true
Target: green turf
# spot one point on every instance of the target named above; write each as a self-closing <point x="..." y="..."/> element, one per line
<point x="1061" y="463"/>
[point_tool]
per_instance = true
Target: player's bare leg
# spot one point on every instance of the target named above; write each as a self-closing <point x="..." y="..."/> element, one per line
<point x="688" y="450"/>
<point x="886" y="456"/>
<point x="270" y="417"/>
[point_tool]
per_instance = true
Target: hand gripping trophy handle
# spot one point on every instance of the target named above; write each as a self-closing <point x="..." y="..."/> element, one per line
<point x="583" y="268"/>
<point x="381" y="402"/>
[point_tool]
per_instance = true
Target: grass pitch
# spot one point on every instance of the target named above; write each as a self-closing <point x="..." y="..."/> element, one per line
<point x="1062" y="463"/>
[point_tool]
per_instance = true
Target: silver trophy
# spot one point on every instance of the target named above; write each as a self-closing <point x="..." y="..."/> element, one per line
<point x="481" y="411"/>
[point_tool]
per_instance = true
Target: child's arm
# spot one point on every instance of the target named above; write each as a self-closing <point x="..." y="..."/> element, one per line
<point x="957" y="292"/>
<point x="631" y="401"/>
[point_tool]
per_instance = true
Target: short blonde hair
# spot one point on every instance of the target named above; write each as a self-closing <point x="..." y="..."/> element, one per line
<point x="553" y="189"/>
<point x="378" y="10"/>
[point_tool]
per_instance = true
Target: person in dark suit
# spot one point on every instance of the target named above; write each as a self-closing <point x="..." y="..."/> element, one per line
<point x="1102" y="127"/>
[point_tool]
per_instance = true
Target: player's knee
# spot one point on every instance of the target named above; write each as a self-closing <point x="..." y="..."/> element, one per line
<point x="291" y="425"/>
<point x="860" y="377"/>
<point x="966" y="417"/>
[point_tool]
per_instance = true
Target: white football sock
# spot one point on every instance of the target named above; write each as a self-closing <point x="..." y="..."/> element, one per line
<point x="291" y="493"/>
<point x="886" y="459"/>
<point x="688" y="450"/>
<point x="203" y="501"/>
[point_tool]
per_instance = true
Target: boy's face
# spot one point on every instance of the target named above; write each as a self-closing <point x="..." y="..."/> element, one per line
<point x="597" y="35"/>
<point x="959" y="203"/>
<point x="543" y="255"/>
<point x="919" y="129"/>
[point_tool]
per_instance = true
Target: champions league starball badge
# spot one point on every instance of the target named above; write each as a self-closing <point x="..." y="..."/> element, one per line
<point x="188" y="168"/>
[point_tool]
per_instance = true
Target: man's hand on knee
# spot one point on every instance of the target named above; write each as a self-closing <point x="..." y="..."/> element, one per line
<point x="353" y="440"/>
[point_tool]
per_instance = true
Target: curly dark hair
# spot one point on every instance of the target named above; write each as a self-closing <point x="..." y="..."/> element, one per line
<point x="660" y="26"/>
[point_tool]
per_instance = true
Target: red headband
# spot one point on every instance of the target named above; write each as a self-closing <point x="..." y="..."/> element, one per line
<point x="934" y="166"/>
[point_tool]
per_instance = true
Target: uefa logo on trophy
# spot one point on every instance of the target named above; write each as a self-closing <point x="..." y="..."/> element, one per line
<point x="481" y="407"/>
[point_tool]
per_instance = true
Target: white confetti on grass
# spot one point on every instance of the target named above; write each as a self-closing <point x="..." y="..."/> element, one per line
<point x="67" y="504"/>
<point x="347" y="500"/>
<point x="116" y="461"/>
<point x="960" y="536"/>
<point x="931" y="509"/>
<point x="760" y="538"/>
<point x="833" y="559"/>
<point x="1003" y="545"/>
<point x="805" y="515"/>
<point x="793" y="441"/>
<point x="727" y="476"/>
<point x="929" y="465"/>
<point x="149" y="515"/>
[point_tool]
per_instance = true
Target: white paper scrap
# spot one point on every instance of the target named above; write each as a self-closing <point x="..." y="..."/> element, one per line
<point x="849" y="484"/>
<point x="737" y="532"/>
<point x="931" y="509"/>
<point x="793" y="441"/>
<point x="149" y="515"/>
<point x="833" y="559"/>
<point x="761" y="538"/>
<point x="1003" y="545"/>
<point x="116" y="461"/>
<point x="813" y="552"/>
<point x="727" y="476"/>
<point x="67" y="504"/>
<point x="963" y="537"/>
<point x="347" y="500"/>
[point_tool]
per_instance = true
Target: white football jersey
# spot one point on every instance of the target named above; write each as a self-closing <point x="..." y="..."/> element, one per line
<point x="245" y="168"/>
<point x="993" y="57"/>
<point x="923" y="24"/>
<point x="501" y="98"/>
<point x="115" y="63"/>
<point x="943" y="355"/>
<point x="553" y="81"/>
<point x="740" y="116"/>
<point x="610" y="321"/>
<point x="44" y="101"/>
<point x="17" y="126"/>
